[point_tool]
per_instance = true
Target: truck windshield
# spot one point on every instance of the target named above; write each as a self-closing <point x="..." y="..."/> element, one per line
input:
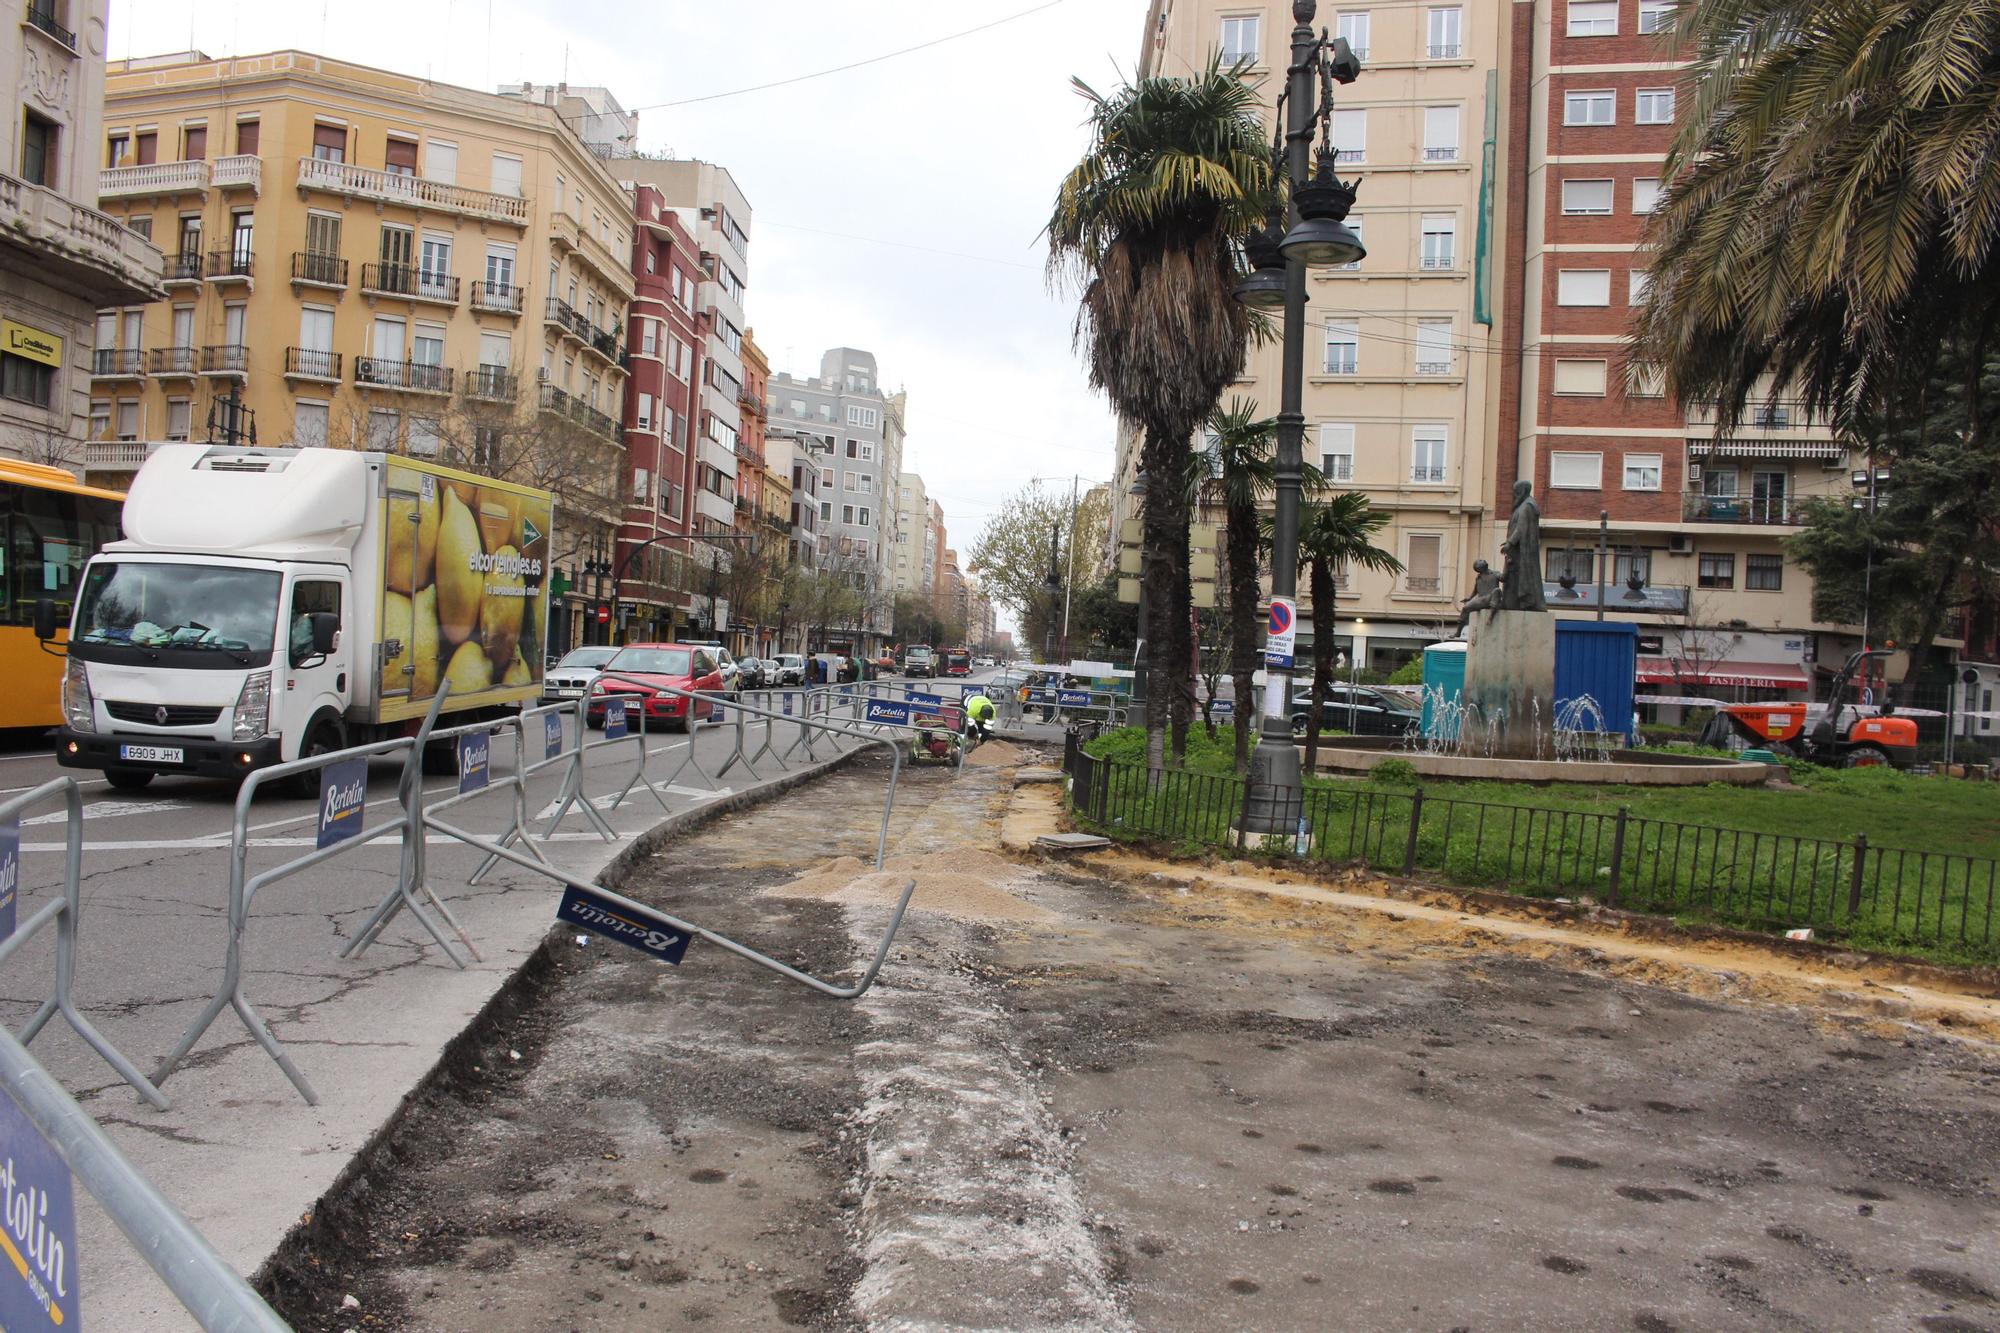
<point x="136" y="610"/>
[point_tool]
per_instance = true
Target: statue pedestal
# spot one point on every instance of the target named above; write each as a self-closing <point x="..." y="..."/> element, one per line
<point x="1510" y="685"/>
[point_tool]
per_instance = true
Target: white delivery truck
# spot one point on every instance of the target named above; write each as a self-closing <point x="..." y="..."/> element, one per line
<point x="271" y="603"/>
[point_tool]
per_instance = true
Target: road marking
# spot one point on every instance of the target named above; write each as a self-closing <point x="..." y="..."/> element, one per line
<point x="11" y="791"/>
<point x="222" y="841"/>
<point x="111" y="810"/>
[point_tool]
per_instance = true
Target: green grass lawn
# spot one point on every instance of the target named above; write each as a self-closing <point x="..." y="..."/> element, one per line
<point x="1762" y="857"/>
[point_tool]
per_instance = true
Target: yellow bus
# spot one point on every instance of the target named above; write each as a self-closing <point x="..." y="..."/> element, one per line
<point x="50" y="524"/>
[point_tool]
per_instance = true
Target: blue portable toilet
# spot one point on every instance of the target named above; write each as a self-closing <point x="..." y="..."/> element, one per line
<point x="1599" y="658"/>
<point x="1444" y="681"/>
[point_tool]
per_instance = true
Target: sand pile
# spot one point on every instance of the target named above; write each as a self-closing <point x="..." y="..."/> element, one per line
<point x="995" y="754"/>
<point x="962" y="883"/>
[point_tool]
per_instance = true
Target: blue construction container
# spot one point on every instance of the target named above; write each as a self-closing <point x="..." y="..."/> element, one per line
<point x="1599" y="658"/>
<point x="1444" y="681"/>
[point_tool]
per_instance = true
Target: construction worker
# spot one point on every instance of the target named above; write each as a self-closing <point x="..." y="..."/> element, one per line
<point x="979" y="713"/>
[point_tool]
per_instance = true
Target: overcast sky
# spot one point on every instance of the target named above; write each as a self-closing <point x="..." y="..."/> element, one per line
<point x="858" y="180"/>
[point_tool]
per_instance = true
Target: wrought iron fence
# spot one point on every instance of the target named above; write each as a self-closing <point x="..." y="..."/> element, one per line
<point x="1880" y="897"/>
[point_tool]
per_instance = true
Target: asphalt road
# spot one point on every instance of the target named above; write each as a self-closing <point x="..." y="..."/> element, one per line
<point x="240" y="1152"/>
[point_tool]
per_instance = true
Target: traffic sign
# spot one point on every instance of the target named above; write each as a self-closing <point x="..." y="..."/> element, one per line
<point x="1281" y="636"/>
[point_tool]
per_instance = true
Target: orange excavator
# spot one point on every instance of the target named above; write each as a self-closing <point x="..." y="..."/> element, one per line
<point x="1843" y="736"/>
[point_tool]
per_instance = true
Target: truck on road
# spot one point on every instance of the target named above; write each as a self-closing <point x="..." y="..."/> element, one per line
<point x="272" y="603"/>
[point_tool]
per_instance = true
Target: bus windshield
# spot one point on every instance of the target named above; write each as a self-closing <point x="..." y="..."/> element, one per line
<point x="204" y="615"/>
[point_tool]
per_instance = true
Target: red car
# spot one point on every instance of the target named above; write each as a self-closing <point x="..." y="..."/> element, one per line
<point x="957" y="662"/>
<point x="650" y="665"/>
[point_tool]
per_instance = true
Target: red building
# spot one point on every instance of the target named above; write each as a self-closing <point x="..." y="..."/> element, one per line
<point x="665" y="340"/>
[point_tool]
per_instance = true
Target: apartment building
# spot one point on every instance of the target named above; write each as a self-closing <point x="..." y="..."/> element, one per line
<point x="936" y="540"/>
<point x="666" y="336"/>
<point x="860" y="433"/>
<point x="1695" y="518"/>
<point x="914" y="570"/>
<point x="1402" y="378"/>
<point x="60" y="259"/>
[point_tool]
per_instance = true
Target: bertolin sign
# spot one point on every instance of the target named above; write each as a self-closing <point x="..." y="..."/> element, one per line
<point x="614" y="920"/>
<point x="38" y="1281"/>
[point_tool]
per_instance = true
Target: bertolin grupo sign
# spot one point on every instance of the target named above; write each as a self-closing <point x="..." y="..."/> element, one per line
<point x="343" y="800"/>
<point x="38" y="1282"/>
<point x="615" y="921"/>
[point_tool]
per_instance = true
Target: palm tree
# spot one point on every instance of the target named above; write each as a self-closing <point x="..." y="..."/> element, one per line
<point x="1335" y="535"/>
<point x="1832" y="218"/>
<point x="1145" y="227"/>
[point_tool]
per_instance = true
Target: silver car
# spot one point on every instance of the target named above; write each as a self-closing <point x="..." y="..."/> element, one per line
<point x="570" y="678"/>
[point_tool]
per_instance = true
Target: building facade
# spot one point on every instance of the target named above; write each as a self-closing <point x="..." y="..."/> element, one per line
<point x="914" y="570"/>
<point x="1401" y="393"/>
<point x="60" y="258"/>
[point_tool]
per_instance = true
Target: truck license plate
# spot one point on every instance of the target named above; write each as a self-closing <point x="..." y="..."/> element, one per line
<point x="153" y="754"/>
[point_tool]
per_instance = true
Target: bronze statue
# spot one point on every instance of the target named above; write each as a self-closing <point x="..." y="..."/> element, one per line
<point x="1485" y="590"/>
<point x="1521" y="577"/>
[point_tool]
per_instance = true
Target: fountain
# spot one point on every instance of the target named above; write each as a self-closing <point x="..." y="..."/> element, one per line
<point x="1507" y="720"/>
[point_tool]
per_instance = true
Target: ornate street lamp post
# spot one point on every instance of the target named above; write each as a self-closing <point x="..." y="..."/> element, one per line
<point x="1315" y="235"/>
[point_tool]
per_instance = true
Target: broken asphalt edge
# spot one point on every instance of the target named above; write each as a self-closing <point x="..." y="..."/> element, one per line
<point x="291" y="1274"/>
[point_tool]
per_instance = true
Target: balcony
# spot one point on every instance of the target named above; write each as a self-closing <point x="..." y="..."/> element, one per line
<point x="173" y="362"/>
<point x="497" y="298"/>
<point x="492" y="383"/>
<point x="554" y="401"/>
<point x="1441" y="153"/>
<point x="1338" y="364"/>
<point x="1348" y="157"/>
<point x="238" y="172"/>
<point x="227" y="361"/>
<point x="328" y="272"/>
<point x="1768" y="511"/>
<point x="388" y="187"/>
<point x="605" y="346"/>
<point x="118" y="363"/>
<point x="181" y="270"/>
<point x="231" y="265"/>
<point x="1438" y="263"/>
<point x="1445" y="50"/>
<point x="1434" y="367"/>
<point x="42" y="18"/>
<point x="312" y="363"/>
<point x="78" y="247"/>
<point x="1427" y="474"/>
<point x="1337" y="467"/>
<point x="558" y="313"/>
<point x="1418" y="583"/>
<point x="409" y="282"/>
<point x="153" y="178"/>
<point x="406" y="376"/>
<point x="114" y="456"/>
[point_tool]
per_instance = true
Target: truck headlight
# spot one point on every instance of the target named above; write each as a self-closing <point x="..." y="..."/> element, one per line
<point x="78" y="710"/>
<point x="253" y="708"/>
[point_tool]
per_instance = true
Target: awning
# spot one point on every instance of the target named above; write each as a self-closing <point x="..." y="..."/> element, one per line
<point x="1825" y="450"/>
<point x="1761" y="675"/>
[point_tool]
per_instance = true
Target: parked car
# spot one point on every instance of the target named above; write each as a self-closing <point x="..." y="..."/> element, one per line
<point x="791" y="668"/>
<point x="750" y="673"/>
<point x="570" y="678"/>
<point x="651" y="665"/>
<point x="732" y="673"/>
<point x="1359" y="710"/>
<point x="919" y="660"/>
<point x="983" y="662"/>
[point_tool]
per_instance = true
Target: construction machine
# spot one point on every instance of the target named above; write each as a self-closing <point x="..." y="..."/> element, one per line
<point x="1842" y="735"/>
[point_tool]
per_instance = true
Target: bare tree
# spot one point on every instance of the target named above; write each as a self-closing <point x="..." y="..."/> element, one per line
<point x="47" y="445"/>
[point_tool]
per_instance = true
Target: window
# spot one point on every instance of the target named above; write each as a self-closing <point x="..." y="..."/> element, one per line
<point x="1343" y="347"/>
<point x="1653" y="106"/>
<point x="1716" y="571"/>
<point x="427" y="349"/>
<point x="1336" y="450"/>
<point x="1583" y="286"/>
<point x="506" y="174"/>
<point x="1645" y="194"/>
<point x="1353" y="25"/>
<point x="140" y="226"/>
<point x="1593" y="108"/>
<point x="867" y="484"/>
<point x="1350" y="134"/>
<point x="1446" y="27"/>
<point x="27" y="381"/>
<point x="825" y="511"/>
<point x="1439" y="241"/>
<point x="117" y="147"/>
<point x="190" y="234"/>
<point x="383" y="428"/>
<point x="649" y="336"/>
<point x="128" y="416"/>
<point x="1645" y="380"/>
<point x="1581" y="377"/>
<point x="1242" y="39"/>
<point x="1642" y="472"/>
<point x="847" y="514"/>
<point x="499" y="268"/>
<point x="1719" y="482"/>
<point x="863" y="516"/>
<point x="1353" y="225"/>
<point x="145" y="148"/>
<point x="309" y="423"/>
<point x="329" y="142"/>
<point x="826" y="478"/>
<point x="249" y="133"/>
<point x="100" y="419"/>
<point x="38" y="150"/>
<point x="1586" y="196"/>
<point x="1655" y="15"/>
<point x="316" y="338"/>
<point x="642" y="484"/>
<point x="1593" y="18"/>
<point x="399" y="157"/>
<point x="1641" y="282"/>
<point x="645" y="415"/>
<point x="1427" y="454"/>
<point x="867" y="452"/>
<point x="1578" y="565"/>
<point x="242" y="236"/>
<point x="865" y="417"/>
<point x="1433" y="347"/>
<point x="1576" y="471"/>
<point x="853" y="447"/>
<point x="194" y="143"/>
<point x="1440" y="134"/>
<point x="1420" y="571"/>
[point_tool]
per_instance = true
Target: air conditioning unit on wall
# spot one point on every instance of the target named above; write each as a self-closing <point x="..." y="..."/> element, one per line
<point x="1680" y="544"/>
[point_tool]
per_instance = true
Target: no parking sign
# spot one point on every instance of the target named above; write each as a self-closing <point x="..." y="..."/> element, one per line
<point x="1281" y="635"/>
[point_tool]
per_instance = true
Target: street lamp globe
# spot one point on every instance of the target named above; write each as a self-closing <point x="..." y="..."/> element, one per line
<point x="1263" y="288"/>
<point x="1321" y="238"/>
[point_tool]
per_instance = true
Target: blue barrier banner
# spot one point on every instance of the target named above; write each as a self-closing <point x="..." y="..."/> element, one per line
<point x="475" y="761"/>
<point x="10" y="874"/>
<point x="614" y="719"/>
<point x="343" y="799"/>
<point x="934" y="700"/>
<point x="788" y="705"/>
<point x="1073" y="698"/>
<point x="39" y="1283"/>
<point x="551" y="735"/>
<point x="883" y="710"/>
<point x="592" y="912"/>
<point x="1222" y="708"/>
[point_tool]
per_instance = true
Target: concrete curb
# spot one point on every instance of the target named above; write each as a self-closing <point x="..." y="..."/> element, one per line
<point x="287" y="1277"/>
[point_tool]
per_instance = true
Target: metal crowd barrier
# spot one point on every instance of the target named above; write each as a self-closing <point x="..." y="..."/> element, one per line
<point x="65" y="911"/>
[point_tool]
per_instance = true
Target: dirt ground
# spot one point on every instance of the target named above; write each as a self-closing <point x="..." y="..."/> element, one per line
<point x="1100" y="1098"/>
